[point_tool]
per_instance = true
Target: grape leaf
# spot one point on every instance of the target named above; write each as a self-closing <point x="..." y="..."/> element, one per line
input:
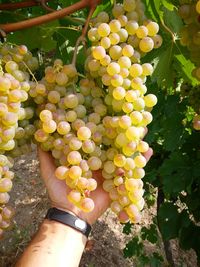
<point x="169" y="221"/>
<point x="163" y="72"/>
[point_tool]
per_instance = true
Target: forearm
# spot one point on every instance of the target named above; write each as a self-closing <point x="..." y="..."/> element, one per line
<point x="55" y="244"/>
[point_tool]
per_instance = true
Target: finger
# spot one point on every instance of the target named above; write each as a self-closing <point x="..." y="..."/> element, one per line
<point x="98" y="176"/>
<point x="145" y="131"/>
<point x="148" y="154"/>
<point x="47" y="165"/>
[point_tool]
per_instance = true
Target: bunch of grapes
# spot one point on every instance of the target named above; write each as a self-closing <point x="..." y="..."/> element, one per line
<point x="192" y="93"/>
<point x="114" y="64"/>
<point x="6" y="177"/>
<point x="16" y="64"/>
<point x="93" y="124"/>
<point x="70" y="129"/>
<point x="190" y="33"/>
<point x="196" y="122"/>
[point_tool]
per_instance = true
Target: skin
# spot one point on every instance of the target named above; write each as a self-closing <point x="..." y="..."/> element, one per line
<point x="56" y="244"/>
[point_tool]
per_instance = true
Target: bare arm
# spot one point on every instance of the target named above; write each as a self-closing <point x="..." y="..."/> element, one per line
<point x="55" y="244"/>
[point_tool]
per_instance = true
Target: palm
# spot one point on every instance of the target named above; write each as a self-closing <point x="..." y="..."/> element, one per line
<point x="58" y="190"/>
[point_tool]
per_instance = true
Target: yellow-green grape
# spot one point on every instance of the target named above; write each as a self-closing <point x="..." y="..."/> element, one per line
<point x="99" y="52"/>
<point x="147" y="69"/>
<point x="115" y="25"/>
<point x="123" y="20"/>
<point x="63" y="127"/>
<point x="94" y="163"/>
<point x="87" y="204"/>
<point x="127" y="50"/>
<point x="142" y="32"/>
<point x="74" y="196"/>
<point x="198" y="7"/>
<point x="61" y="172"/>
<point x="132" y="27"/>
<point x="49" y="126"/>
<point x="150" y="100"/>
<point x="119" y="93"/>
<point x="118" y="10"/>
<point x="146" y="44"/>
<point x="136" y="70"/>
<point x="153" y="28"/>
<point x="114" y="38"/>
<point x="157" y="39"/>
<point x="113" y="68"/>
<point x="138" y="173"/>
<point x="140" y="161"/>
<point x="103" y="30"/>
<point x="129" y="5"/>
<point x="74" y="158"/>
<point x="115" y="52"/>
<point x="83" y="133"/>
<point x="74" y="172"/>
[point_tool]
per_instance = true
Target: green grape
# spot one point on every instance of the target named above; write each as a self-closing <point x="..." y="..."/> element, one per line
<point x="103" y="30"/>
<point x="146" y="44"/>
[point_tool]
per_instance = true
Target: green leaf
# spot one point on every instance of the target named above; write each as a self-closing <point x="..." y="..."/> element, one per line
<point x="127" y="228"/>
<point x="185" y="67"/>
<point x="163" y="73"/>
<point x="156" y="260"/>
<point x="173" y="20"/>
<point x="150" y="233"/>
<point x="177" y="171"/>
<point x="168" y="5"/>
<point x="133" y="248"/>
<point x="169" y="221"/>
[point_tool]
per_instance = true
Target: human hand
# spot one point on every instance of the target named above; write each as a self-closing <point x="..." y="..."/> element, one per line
<point x="58" y="190"/>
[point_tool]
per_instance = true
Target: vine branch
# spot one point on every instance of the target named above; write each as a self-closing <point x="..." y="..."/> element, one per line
<point x="81" y="39"/>
<point x="23" y="4"/>
<point x="11" y="27"/>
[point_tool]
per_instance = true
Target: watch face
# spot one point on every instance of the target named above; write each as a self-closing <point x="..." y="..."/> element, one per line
<point x="80" y="224"/>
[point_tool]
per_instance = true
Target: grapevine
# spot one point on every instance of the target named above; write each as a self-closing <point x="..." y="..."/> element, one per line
<point x="88" y="124"/>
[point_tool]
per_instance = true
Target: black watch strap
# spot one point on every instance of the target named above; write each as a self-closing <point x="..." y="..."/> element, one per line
<point x="69" y="219"/>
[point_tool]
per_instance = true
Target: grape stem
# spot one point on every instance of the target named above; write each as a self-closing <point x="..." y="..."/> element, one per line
<point x="82" y="39"/>
<point x="168" y="30"/>
<point x="12" y="27"/>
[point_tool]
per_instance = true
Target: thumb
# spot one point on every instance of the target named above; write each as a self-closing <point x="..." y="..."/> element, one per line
<point x="47" y="165"/>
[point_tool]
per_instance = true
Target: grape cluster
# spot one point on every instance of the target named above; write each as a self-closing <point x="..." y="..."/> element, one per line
<point x="92" y="124"/>
<point x="114" y="64"/>
<point x="70" y="129"/>
<point x="196" y="122"/>
<point x="6" y="177"/>
<point x="193" y="95"/>
<point x="16" y="64"/>
<point x="190" y="33"/>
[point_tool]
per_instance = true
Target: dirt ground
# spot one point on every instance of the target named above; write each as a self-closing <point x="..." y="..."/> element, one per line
<point x="31" y="202"/>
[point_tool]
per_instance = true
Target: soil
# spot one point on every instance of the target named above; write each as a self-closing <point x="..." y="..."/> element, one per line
<point x="105" y="248"/>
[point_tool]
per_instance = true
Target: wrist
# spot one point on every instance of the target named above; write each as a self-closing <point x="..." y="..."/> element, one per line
<point x="70" y="219"/>
<point x="63" y="229"/>
<point x="72" y="209"/>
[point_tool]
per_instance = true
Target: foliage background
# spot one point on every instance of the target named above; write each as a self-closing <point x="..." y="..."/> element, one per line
<point x="173" y="174"/>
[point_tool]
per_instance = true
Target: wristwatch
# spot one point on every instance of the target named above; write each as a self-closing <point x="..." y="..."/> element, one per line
<point x="69" y="219"/>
